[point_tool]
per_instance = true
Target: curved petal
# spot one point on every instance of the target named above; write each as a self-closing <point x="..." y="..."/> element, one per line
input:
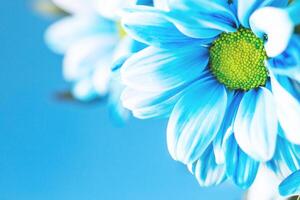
<point x="206" y="19"/>
<point x="288" y="111"/>
<point x="255" y="125"/>
<point x="154" y="69"/>
<point x="285" y="159"/>
<point x="112" y="9"/>
<point x="65" y="33"/>
<point x="239" y="166"/>
<point x="150" y="26"/>
<point x="207" y="171"/>
<point x="84" y="90"/>
<point x="196" y="119"/>
<point x="279" y="35"/>
<point x="291" y="185"/>
<point x="246" y="8"/>
<point x="151" y="104"/>
<point x="83" y="58"/>
<point x="288" y="63"/>
<point x="226" y="127"/>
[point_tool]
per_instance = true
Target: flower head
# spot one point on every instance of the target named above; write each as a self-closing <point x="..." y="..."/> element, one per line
<point x="91" y="40"/>
<point x="231" y="106"/>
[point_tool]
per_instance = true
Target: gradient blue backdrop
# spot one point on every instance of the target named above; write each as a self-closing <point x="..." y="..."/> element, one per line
<point x="52" y="150"/>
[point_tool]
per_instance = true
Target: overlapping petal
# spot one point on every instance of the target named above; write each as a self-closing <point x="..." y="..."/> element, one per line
<point x="196" y="119"/>
<point x="207" y="171"/>
<point x="255" y="125"/>
<point x="288" y="109"/>
<point x="154" y="69"/>
<point x="241" y="168"/>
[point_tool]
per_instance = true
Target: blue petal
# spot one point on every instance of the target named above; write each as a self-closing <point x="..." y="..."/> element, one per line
<point x="206" y="19"/>
<point x="288" y="63"/>
<point x="154" y="69"/>
<point x="151" y="104"/>
<point x="226" y="127"/>
<point x="285" y="159"/>
<point x="291" y="185"/>
<point x="246" y="8"/>
<point x="65" y="33"/>
<point x="288" y="111"/>
<point x="151" y="27"/>
<point x="196" y="119"/>
<point x="207" y="171"/>
<point x="255" y="125"/>
<point x="239" y="166"/>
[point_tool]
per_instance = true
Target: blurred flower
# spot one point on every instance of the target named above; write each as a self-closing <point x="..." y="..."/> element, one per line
<point x="231" y="106"/>
<point x="91" y="39"/>
<point x="291" y="185"/>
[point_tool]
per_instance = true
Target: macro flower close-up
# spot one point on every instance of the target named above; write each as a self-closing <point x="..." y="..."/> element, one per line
<point x="232" y="102"/>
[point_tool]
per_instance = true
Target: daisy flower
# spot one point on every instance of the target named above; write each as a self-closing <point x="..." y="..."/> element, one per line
<point x="231" y="105"/>
<point x="91" y="39"/>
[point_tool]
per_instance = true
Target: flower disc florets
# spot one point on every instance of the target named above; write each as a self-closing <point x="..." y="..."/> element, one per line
<point x="238" y="60"/>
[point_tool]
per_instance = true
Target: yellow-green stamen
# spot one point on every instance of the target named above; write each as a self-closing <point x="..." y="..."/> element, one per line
<point x="238" y="60"/>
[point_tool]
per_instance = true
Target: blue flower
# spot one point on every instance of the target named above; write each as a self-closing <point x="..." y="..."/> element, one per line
<point x="291" y="185"/>
<point x="231" y="106"/>
<point x="91" y="40"/>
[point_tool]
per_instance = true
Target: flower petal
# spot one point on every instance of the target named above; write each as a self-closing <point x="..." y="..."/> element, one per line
<point x="206" y="19"/>
<point x="76" y="6"/>
<point x="63" y="34"/>
<point x="285" y="159"/>
<point x="150" y="26"/>
<point x="291" y="185"/>
<point x="288" y="63"/>
<point x="288" y="111"/>
<point x="279" y="35"/>
<point x="154" y="69"/>
<point x="207" y="171"/>
<point x="246" y="8"/>
<point x="83" y="58"/>
<point x="196" y="119"/>
<point x="255" y="125"/>
<point x="226" y="127"/>
<point x="239" y="166"/>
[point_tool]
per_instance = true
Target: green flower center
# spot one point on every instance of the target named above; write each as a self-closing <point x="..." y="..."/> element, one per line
<point x="121" y="31"/>
<point x="238" y="60"/>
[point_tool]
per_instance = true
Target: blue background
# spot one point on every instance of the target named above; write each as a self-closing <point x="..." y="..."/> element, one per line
<point x="53" y="150"/>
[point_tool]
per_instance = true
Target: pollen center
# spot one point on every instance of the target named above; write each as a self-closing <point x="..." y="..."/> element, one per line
<point x="238" y="60"/>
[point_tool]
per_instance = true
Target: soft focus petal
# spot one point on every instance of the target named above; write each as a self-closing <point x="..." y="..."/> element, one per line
<point x="278" y="35"/>
<point x="76" y="6"/>
<point x="112" y="9"/>
<point x="255" y="125"/>
<point x="154" y="69"/>
<point x="196" y="119"/>
<point x="239" y="166"/>
<point x="288" y="111"/>
<point x="63" y="34"/>
<point x="84" y="90"/>
<point x="83" y="58"/>
<point x="291" y="185"/>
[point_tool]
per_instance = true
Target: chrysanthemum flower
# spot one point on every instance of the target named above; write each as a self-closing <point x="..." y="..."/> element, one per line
<point x="91" y="39"/>
<point x="231" y="105"/>
<point x="291" y="185"/>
